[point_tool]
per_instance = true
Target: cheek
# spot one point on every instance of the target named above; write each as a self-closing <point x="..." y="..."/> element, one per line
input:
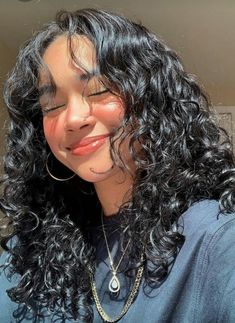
<point x="50" y="128"/>
<point x="110" y="113"/>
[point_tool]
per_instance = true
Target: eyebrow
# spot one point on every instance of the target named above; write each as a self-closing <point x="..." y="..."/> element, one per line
<point x="88" y="75"/>
<point x="46" y="89"/>
<point x="85" y="72"/>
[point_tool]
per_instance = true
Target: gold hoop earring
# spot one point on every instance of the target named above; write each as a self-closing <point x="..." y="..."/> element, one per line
<point x="53" y="176"/>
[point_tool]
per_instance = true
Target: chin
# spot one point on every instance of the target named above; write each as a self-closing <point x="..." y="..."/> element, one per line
<point x="94" y="175"/>
<point x="93" y="178"/>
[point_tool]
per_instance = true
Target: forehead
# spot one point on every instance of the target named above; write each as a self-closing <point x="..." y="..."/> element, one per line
<point x="78" y="54"/>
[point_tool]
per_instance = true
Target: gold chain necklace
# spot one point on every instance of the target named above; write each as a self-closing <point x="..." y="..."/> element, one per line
<point x="114" y="284"/>
<point x="130" y="299"/>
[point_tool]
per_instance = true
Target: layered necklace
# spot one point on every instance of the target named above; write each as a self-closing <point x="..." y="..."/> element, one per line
<point x="114" y="284"/>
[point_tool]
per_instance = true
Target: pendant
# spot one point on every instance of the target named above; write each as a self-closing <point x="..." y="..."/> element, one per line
<point x="114" y="284"/>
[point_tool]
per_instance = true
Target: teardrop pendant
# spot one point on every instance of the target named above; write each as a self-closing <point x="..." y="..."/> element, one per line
<point x="114" y="284"/>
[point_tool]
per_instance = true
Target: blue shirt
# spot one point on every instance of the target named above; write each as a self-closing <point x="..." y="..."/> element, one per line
<point x="200" y="287"/>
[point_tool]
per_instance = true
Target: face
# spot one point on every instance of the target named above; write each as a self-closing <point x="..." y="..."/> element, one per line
<point x="80" y="113"/>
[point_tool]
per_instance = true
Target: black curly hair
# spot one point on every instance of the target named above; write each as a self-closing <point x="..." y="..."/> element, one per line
<point x="185" y="158"/>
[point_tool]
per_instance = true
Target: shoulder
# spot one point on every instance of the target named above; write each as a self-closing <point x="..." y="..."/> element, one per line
<point x="212" y="235"/>
<point x="205" y="218"/>
<point x="6" y="282"/>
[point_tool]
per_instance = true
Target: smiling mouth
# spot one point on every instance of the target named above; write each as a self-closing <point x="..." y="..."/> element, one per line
<point x="88" y="140"/>
<point x="88" y="145"/>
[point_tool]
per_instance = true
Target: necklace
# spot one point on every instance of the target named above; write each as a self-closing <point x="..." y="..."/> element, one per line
<point x="114" y="284"/>
<point x="130" y="299"/>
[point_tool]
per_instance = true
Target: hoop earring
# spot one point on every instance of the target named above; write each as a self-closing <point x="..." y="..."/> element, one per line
<point x="53" y="176"/>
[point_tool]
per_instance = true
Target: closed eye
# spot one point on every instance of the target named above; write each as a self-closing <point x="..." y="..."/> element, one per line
<point x="46" y="110"/>
<point x="98" y="93"/>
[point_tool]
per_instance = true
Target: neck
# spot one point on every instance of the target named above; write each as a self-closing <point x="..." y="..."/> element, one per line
<point x="114" y="191"/>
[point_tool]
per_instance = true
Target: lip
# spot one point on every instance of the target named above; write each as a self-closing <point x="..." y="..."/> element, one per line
<point x="88" y="145"/>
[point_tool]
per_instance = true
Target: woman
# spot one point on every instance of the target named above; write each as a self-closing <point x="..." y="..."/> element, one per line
<point x="118" y="189"/>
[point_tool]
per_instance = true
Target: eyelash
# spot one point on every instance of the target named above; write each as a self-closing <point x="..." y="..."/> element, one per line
<point x="98" y="93"/>
<point x="45" y="111"/>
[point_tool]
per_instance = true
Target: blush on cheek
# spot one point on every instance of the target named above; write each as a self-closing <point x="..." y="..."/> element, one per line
<point x="111" y="112"/>
<point x="49" y="128"/>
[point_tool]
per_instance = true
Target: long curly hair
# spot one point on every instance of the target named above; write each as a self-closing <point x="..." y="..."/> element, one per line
<point x="185" y="158"/>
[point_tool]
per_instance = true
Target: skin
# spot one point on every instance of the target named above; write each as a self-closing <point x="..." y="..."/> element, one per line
<point x="73" y="113"/>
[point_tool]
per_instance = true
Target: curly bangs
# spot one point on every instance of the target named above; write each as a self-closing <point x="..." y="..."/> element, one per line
<point x="185" y="157"/>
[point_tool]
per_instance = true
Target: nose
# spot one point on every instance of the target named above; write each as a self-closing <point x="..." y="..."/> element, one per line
<point x="78" y="115"/>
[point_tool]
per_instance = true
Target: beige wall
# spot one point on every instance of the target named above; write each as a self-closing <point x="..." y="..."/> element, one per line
<point x="222" y="94"/>
<point x="7" y="58"/>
